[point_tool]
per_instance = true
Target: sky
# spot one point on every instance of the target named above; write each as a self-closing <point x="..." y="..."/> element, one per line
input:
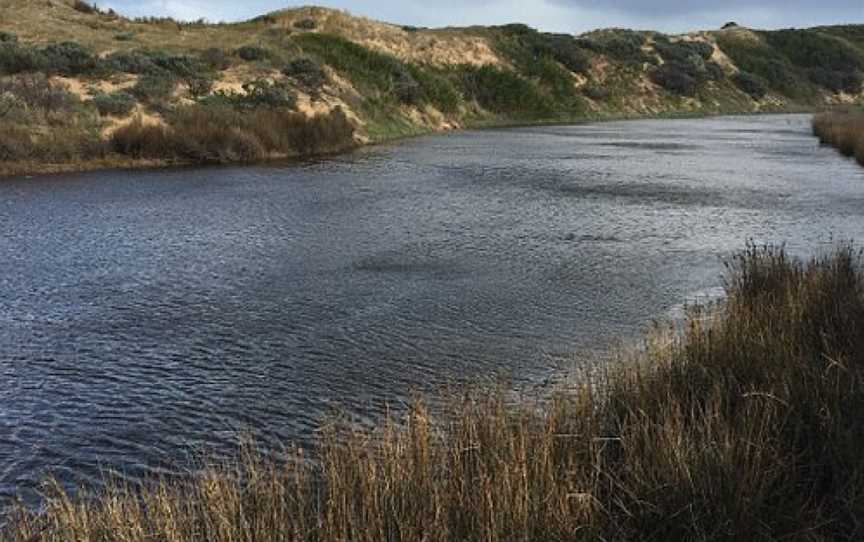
<point x="570" y="16"/>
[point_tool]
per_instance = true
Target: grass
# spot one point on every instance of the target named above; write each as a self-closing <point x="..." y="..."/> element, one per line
<point x="742" y="424"/>
<point x="843" y="130"/>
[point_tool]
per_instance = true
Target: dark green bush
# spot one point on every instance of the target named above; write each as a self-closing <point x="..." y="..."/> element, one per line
<point x="437" y="89"/>
<point x="8" y="37"/>
<point x="216" y="59"/>
<point x="252" y="53"/>
<point x="199" y="86"/>
<point x="268" y="94"/>
<point x="683" y="51"/>
<point x="85" y="7"/>
<point x="36" y="91"/>
<point x="676" y="78"/>
<point x="118" y="103"/>
<point x="68" y="58"/>
<point x="595" y="92"/>
<point x="371" y="71"/>
<point x="308" y="72"/>
<point x="750" y="84"/>
<point x="134" y="62"/>
<point x="836" y="81"/>
<point x="502" y="91"/>
<point x="306" y="24"/>
<point x="124" y="36"/>
<point x="155" y="87"/>
<point x="714" y="71"/>
<point x="15" y="58"/>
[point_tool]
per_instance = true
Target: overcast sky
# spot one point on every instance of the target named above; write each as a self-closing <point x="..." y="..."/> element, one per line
<point x="571" y="16"/>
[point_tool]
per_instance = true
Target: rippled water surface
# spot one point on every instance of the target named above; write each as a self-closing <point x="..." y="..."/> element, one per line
<point x="146" y="315"/>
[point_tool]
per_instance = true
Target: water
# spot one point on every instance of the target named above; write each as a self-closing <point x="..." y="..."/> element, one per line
<point x="145" y="316"/>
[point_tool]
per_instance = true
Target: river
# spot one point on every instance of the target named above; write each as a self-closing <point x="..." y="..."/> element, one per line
<point x="149" y="316"/>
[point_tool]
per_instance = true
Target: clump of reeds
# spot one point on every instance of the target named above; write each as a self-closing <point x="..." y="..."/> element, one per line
<point x="745" y="424"/>
<point x="843" y="130"/>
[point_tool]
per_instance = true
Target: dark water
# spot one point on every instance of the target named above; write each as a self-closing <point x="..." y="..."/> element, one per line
<point x="147" y="315"/>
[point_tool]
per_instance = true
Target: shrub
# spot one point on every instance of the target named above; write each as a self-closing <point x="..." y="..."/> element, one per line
<point x="155" y="87"/>
<point x="714" y="71"/>
<point x="85" y="7"/>
<point x="502" y="91"/>
<point x="199" y="87"/>
<point x="124" y="36"/>
<point x="306" y="24"/>
<point x="369" y="70"/>
<point x="268" y="94"/>
<point x="436" y="88"/>
<point x="134" y="62"/>
<point x="15" y="58"/>
<point x="216" y="59"/>
<point x="8" y="37"/>
<point x="307" y="72"/>
<point x="68" y="58"/>
<point x="118" y="103"/>
<point x="595" y="92"/>
<point x="16" y="143"/>
<point x="676" y="79"/>
<point x="36" y="91"/>
<point x="750" y="84"/>
<point x="836" y="81"/>
<point x="252" y="53"/>
<point x="683" y="52"/>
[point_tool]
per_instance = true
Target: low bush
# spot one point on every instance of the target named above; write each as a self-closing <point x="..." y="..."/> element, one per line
<point x="437" y="88"/>
<point x="372" y="72"/>
<point x="8" y="37"/>
<point x="68" y="58"/>
<point x="199" y="87"/>
<point x="16" y="58"/>
<point x="836" y="81"/>
<point x="750" y="84"/>
<point x="154" y="88"/>
<point x="308" y="73"/>
<point x="124" y="36"/>
<point x="252" y="53"/>
<point x="595" y="92"/>
<point x="503" y="91"/>
<point x="216" y="59"/>
<point x="306" y="24"/>
<point x="676" y="78"/>
<point x="37" y="92"/>
<point x="85" y="7"/>
<point x="119" y="103"/>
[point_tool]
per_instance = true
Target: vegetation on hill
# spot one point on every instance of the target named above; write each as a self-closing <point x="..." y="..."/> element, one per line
<point x="743" y="424"/>
<point x="843" y="130"/>
<point x="105" y="74"/>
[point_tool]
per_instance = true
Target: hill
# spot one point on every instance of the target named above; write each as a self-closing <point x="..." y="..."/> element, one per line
<point x="80" y="87"/>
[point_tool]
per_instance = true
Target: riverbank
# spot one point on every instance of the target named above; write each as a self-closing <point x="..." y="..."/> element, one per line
<point x="744" y="423"/>
<point x="123" y="162"/>
<point x="843" y="130"/>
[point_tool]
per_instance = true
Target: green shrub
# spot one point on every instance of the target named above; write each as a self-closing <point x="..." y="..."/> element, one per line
<point x="307" y="72"/>
<point x="595" y="92"/>
<point x="38" y="92"/>
<point x="16" y="58"/>
<point x="750" y="84"/>
<point x="8" y="37"/>
<point x="371" y="71"/>
<point x="85" y="7"/>
<point x="502" y="91"/>
<point x="134" y="62"/>
<point x="124" y="36"/>
<point x="676" y="78"/>
<point x="305" y="24"/>
<point x="68" y="58"/>
<point x="155" y="87"/>
<point x="836" y="81"/>
<point x="119" y="103"/>
<point x="199" y="87"/>
<point x="437" y="89"/>
<point x="216" y="59"/>
<point x="252" y="53"/>
<point x="16" y="143"/>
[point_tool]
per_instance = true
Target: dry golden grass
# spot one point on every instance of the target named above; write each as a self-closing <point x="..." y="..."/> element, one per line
<point x="743" y="425"/>
<point x="843" y="130"/>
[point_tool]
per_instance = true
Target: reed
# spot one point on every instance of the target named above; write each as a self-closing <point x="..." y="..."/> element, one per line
<point x="843" y="130"/>
<point x="743" y="423"/>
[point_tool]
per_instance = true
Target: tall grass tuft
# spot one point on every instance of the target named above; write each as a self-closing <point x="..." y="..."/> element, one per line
<point x="744" y="424"/>
<point x="843" y="130"/>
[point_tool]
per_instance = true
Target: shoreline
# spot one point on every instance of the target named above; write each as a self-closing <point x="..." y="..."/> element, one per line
<point x="29" y="170"/>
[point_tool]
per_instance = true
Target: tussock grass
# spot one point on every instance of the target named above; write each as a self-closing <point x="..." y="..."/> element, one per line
<point x="843" y="130"/>
<point x="745" y="424"/>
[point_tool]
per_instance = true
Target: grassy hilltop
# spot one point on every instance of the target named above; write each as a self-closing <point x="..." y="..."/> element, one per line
<point x="82" y="88"/>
